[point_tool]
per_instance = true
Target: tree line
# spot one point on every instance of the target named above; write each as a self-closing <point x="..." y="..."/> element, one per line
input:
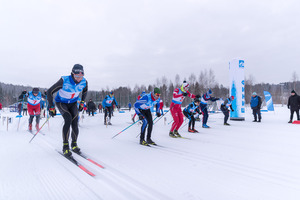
<point x="199" y="84"/>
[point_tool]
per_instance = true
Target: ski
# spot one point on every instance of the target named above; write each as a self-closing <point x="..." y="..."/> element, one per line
<point x="75" y="162"/>
<point x="85" y="156"/>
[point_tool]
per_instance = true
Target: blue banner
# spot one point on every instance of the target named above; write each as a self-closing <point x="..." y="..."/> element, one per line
<point x="269" y="101"/>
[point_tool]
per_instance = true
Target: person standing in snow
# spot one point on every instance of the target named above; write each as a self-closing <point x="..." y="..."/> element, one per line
<point x="189" y="112"/>
<point x="107" y="104"/>
<point x="91" y="107"/>
<point x="142" y="108"/>
<point x="178" y="96"/>
<point x="225" y="108"/>
<point x="68" y="89"/>
<point x="203" y="105"/>
<point x="129" y="106"/>
<point x="34" y="98"/>
<point x="255" y="104"/>
<point x="294" y="105"/>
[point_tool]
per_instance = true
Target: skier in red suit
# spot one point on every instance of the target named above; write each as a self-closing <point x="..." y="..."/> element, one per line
<point x="178" y="96"/>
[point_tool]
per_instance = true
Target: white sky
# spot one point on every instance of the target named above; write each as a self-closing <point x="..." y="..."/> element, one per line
<point x="128" y="42"/>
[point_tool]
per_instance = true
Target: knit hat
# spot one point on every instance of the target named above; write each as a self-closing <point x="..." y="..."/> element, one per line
<point x="77" y="69"/>
<point x="35" y="90"/>
<point x="254" y="93"/>
<point x="293" y="91"/>
<point x="156" y="91"/>
<point x="209" y="91"/>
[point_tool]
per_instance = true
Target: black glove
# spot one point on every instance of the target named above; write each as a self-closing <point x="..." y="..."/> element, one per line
<point x="141" y="117"/>
<point x="185" y="94"/>
<point x="81" y="105"/>
<point x="24" y="92"/>
<point x="232" y="110"/>
<point x="52" y="111"/>
<point x="158" y="114"/>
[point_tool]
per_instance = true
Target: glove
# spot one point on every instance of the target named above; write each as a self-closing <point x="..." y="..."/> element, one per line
<point x="24" y="92"/>
<point x="184" y="94"/>
<point x="52" y="111"/>
<point x="232" y="110"/>
<point x="81" y="105"/>
<point x="158" y="114"/>
<point x="141" y="117"/>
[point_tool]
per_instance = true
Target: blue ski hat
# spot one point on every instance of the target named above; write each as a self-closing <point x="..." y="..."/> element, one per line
<point x="254" y="94"/>
<point x="209" y="91"/>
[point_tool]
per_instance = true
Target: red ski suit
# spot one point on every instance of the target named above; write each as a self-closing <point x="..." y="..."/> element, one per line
<point x="175" y="108"/>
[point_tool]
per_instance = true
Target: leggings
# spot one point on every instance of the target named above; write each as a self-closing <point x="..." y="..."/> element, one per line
<point x="70" y="115"/>
<point x="177" y="116"/>
<point x="146" y="121"/>
<point x="191" y="119"/>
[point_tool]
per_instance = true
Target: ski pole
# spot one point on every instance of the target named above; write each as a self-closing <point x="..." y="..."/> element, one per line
<point x="164" y="114"/>
<point x="21" y="112"/>
<point x="125" y="129"/>
<point x="39" y="129"/>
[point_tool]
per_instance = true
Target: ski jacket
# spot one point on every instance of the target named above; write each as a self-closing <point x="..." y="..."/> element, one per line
<point x="294" y="102"/>
<point x="178" y="96"/>
<point x="226" y="104"/>
<point x="145" y="103"/>
<point x="108" y="101"/>
<point x="161" y="104"/>
<point x="0" y="106"/>
<point x="68" y="90"/>
<point x="206" y="97"/>
<point x="255" y="102"/>
<point x="91" y="106"/>
<point x="192" y="108"/>
<point x="34" y="100"/>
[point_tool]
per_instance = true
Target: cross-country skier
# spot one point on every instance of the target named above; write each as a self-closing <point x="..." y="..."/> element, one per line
<point x="107" y="104"/>
<point x="189" y="112"/>
<point x="142" y="108"/>
<point x="203" y="105"/>
<point x="225" y="108"/>
<point x="69" y="88"/>
<point x="178" y="96"/>
<point x="34" y="98"/>
<point x="138" y="98"/>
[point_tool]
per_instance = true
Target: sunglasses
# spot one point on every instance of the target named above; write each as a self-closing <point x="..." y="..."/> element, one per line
<point x="78" y="75"/>
<point x="156" y="94"/>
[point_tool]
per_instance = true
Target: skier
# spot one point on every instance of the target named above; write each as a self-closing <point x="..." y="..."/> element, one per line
<point x="69" y="88"/>
<point x="255" y="104"/>
<point x="91" y="107"/>
<point x="294" y="105"/>
<point x="225" y="109"/>
<point x="189" y="112"/>
<point x="203" y="105"/>
<point x="34" y="98"/>
<point x="142" y="108"/>
<point x="107" y="104"/>
<point x="161" y="107"/>
<point x="100" y="108"/>
<point x="129" y="106"/>
<point x="178" y="96"/>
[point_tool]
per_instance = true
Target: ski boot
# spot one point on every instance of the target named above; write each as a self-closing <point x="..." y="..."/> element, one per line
<point x="226" y="124"/>
<point x="191" y="130"/>
<point x="254" y="120"/>
<point x="37" y="126"/>
<point x="149" y="141"/>
<point x="176" y="133"/>
<point x="205" y="126"/>
<point x="171" y="134"/>
<point x="66" y="150"/>
<point x="75" y="148"/>
<point x="259" y="120"/>
<point x="30" y="127"/>
<point x="290" y="121"/>
<point x="195" y="131"/>
<point x="143" y="142"/>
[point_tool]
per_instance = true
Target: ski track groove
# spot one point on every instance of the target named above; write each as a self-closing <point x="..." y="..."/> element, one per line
<point x="237" y="167"/>
<point x="118" y="180"/>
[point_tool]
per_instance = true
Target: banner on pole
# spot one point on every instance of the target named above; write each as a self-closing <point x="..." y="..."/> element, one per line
<point x="269" y="101"/>
<point x="237" y="89"/>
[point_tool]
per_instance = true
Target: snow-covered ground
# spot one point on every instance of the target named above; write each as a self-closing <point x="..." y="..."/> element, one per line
<point x="245" y="161"/>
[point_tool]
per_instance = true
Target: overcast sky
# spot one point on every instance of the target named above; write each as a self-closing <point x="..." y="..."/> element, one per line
<point x="128" y="42"/>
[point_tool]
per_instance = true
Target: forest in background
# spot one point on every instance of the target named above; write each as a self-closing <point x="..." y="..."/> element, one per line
<point x="199" y="84"/>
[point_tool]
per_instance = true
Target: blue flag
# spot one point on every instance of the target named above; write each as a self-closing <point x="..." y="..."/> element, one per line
<point x="269" y="101"/>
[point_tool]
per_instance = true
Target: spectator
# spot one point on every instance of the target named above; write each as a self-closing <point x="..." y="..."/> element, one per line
<point x="91" y="107"/>
<point x="255" y="103"/>
<point x="294" y="105"/>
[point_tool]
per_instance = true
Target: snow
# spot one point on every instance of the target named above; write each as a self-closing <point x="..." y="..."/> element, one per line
<point x="244" y="161"/>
